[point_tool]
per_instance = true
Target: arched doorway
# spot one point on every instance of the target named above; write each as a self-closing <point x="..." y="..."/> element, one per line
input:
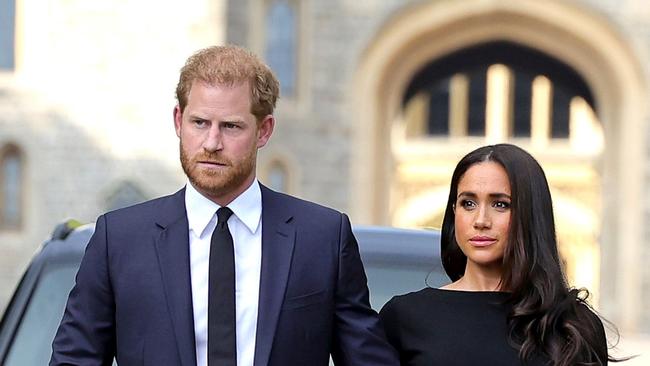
<point x="502" y="92"/>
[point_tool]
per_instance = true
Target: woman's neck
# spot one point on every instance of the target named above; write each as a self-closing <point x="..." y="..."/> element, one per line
<point x="478" y="278"/>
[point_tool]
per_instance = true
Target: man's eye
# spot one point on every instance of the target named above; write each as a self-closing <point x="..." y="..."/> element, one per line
<point x="199" y="122"/>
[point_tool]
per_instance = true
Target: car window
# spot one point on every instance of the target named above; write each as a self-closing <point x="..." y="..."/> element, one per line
<point x="385" y="282"/>
<point x="33" y="338"/>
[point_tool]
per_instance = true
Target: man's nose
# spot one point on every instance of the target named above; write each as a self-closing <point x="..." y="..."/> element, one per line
<point x="213" y="140"/>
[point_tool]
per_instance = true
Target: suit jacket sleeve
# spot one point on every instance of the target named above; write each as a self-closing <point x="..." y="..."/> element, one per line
<point x="86" y="335"/>
<point x="358" y="336"/>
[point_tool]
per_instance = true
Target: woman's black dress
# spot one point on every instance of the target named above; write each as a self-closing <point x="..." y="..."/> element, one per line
<point x="448" y="328"/>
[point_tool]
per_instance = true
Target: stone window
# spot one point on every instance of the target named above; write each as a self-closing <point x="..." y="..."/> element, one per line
<point x="126" y="194"/>
<point x="278" y="177"/>
<point x="281" y="43"/>
<point x="7" y="34"/>
<point x="500" y="90"/>
<point x="11" y="187"/>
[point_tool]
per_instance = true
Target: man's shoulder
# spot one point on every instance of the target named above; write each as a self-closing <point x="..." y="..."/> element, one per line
<point x="172" y="204"/>
<point x="295" y="204"/>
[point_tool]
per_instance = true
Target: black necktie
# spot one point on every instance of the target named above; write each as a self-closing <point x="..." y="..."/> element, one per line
<point x="222" y="343"/>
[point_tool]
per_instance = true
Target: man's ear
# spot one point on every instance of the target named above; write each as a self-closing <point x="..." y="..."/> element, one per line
<point x="178" y="119"/>
<point x="265" y="130"/>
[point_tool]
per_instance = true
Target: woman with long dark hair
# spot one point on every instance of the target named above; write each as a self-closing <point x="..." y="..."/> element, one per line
<point x="509" y="302"/>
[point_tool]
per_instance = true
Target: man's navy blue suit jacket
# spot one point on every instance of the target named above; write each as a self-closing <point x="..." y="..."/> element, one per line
<point x="132" y="298"/>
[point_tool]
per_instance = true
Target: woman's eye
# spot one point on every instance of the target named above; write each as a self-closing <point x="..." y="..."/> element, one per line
<point x="467" y="204"/>
<point x="502" y="205"/>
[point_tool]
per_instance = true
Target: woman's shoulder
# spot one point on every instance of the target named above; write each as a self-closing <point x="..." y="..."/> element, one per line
<point x="432" y="295"/>
<point x="407" y="301"/>
<point x="425" y="296"/>
<point x="414" y="295"/>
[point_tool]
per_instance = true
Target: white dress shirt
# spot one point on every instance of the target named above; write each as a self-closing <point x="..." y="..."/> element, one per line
<point x="246" y="229"/>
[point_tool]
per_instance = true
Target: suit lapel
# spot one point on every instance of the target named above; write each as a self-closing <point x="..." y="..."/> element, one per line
<point x="172" y="247"/>
<point x="278" y="238"/>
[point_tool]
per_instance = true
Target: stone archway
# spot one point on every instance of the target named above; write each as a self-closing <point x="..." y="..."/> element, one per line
<point x="589" y="44"/>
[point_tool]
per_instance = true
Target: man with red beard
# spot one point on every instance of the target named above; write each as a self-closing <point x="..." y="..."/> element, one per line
<point x="225" y="271"/>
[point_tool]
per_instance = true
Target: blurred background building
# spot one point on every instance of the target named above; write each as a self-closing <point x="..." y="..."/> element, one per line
<point x="380" y="99"/>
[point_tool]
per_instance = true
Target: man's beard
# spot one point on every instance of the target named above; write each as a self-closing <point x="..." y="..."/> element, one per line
<point x="218" y="182"/>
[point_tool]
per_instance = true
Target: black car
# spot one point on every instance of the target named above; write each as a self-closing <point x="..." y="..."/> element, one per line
<point x="396" y="261"/>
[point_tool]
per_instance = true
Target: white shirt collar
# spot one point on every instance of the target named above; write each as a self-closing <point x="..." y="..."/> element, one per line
<point x="247" y="207"/>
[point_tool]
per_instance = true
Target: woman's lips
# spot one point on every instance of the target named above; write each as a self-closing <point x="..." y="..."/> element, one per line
<point x="482" y="241"/>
